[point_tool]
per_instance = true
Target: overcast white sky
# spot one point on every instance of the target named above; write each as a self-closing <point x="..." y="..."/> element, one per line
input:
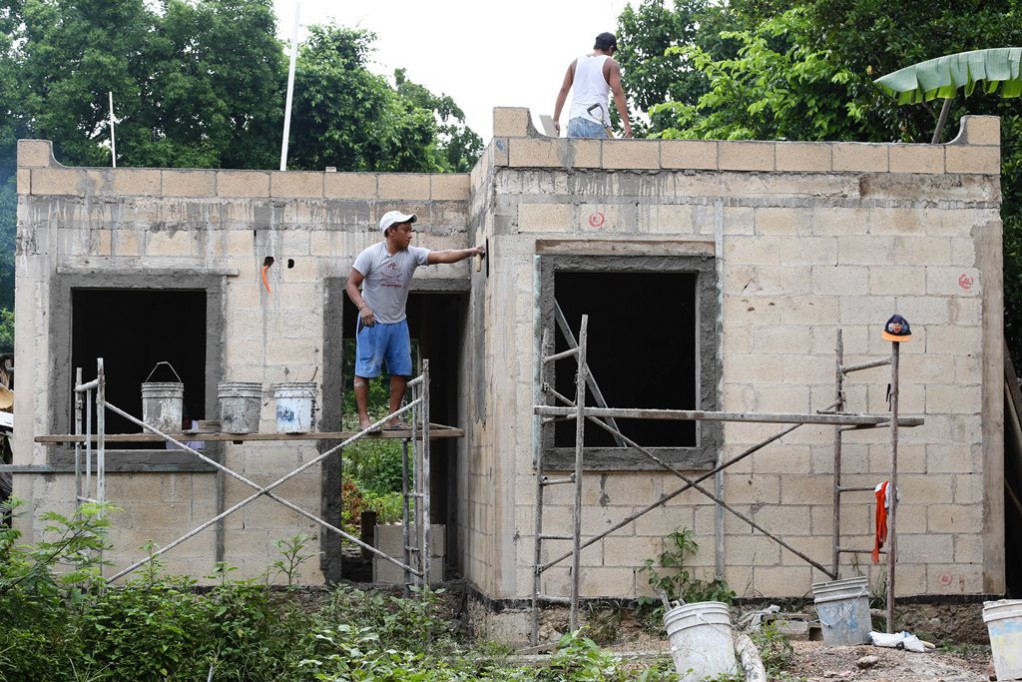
<point x="483" y="54"/>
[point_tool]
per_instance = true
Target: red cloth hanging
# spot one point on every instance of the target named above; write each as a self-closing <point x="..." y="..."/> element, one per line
<point x="881" y="523"/>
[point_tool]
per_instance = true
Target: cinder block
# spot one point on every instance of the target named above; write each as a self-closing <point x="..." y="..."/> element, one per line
<point x="694" y="154"/>
<point x="605" y="582"/>
<point x="166" y="243"/>
<point x="867" y="250"/>
<point x="860" y="157"/>
<point x="296" y="184"/>
<point x="917" y="158"/>
<point x="780" y="221"/>
<point x="599" y="217"/>
<point x="761" y="488"/>
<point x="404" y="186"/>
<point x="57" y="181"/>
<point x="125" y="243"/>
<point x="786" y="460"/>
<point x="35" y="154"/>
<point x="548" y="152"/>
<point x="630" y="551"/>
<point x="24" y="181"/>
<point x="132" y="182"/>
<point x="450" y="187"/>
<point x="930" y="548"/>
<point x="349" y="185"/>
<point x="969" y="159"/>
<point x="808" y="251"/>
<point x="498" y="152"/>
<point x="545" y="218"/>
<point x="897" y="281"/>
<point x="752" y="550"/>
<point x="189" y="183"/>
<point x="631" y="154"/>
<point x="954" y="340"/>
<point x="979" y="130"/>
<point x="242" y="184"/>
<point x="746" y="156"/>
<point x="668" y="219"/>
<point x="544" y="152"/>
<point x="807" y="489"/>
<point x="781" y="581"/>
<point x="844" y="280"/>
<point x="510" y="122"/>
<point x="804" y="156"/>
<point x="662" y="522"/>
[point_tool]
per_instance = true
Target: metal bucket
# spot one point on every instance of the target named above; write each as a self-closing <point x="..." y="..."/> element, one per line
<point x="163" y="402"/>
<point x="701" y="641"/>
<point x="296" y="406"/>
<point x="1004" y="624"/>
<point x="843" y="609"/>
<point x="239" y="406"/>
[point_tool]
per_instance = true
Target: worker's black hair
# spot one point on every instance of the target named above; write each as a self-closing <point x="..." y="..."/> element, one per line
<point x="605" y="41"/>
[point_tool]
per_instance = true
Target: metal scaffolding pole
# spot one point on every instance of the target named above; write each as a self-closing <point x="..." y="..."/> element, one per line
<point x="834" y="415"/>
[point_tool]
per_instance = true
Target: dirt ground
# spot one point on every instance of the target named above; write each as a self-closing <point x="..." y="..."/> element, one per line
<point x="962" y="653"/>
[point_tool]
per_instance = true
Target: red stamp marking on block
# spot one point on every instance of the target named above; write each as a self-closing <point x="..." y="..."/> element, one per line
<point x="945" y="579"/>
<point x="596" y="219"/>
<point x="965" y="281"/>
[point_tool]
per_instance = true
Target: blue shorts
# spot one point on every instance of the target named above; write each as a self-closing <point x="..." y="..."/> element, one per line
<point x="383" y="343"/>
<point x="583" y="127"/>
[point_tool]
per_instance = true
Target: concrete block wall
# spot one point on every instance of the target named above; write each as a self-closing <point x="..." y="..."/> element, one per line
<point x="156" y="224"/>
<point x="811" y="238"/>
<point x="808" y="239"/>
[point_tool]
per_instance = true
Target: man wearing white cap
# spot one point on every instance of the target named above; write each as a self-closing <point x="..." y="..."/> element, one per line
<point x="384" y="273"/>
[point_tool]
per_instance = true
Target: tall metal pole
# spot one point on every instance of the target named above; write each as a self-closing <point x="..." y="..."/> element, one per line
<point x="839" y="398"/>
<point x="290" y="90"/>
<point x="580" y="422"/>
<point x="537" y="549"/>
<point x="100" y="432"/>
<point x="425" y="474"/>
<point x="113" y="138"/>
<point x="892" y="489"/>
<point x="78" y="432"/>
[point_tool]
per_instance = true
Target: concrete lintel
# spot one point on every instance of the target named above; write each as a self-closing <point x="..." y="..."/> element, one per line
<point x="592" y="247"/>
<point x="149" y="272"/>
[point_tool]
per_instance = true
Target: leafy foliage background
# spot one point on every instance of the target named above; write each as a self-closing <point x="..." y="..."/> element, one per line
<point x="201" y="84"/>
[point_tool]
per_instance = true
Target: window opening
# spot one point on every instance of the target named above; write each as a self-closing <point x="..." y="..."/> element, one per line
<point x="643" y="350"/>
<point x="132" y="330"/>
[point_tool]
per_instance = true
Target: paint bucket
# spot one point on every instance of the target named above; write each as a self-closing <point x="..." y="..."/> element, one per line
<point x="1004" y="624"/>
<point x="163" y="402"/>
<point x="296" y="406"/>
<point x="843" y="609"/>
<point x="239" y="406"/>
<point x="701" y="642"/>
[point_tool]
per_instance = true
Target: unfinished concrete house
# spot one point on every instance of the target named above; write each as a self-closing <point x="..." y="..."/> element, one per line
<point x="715" y="277"/>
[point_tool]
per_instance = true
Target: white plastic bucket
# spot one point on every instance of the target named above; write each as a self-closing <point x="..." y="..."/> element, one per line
<point x="1004" y="624"/>
<point x="239" y="406"/>
<point x="843" y="609"/>
<point x="296" y="405"/>
<point x="701" y="641"/>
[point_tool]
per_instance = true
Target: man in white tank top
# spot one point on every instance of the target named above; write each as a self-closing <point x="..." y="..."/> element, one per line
<point x="593" y="76"/>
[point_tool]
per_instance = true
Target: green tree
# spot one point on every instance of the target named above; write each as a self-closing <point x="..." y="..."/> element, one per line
<point x="348" y="117"/>
<point x="200" y="84"/>
<point x="651" y="75"/>
<point x="805" y="71"/>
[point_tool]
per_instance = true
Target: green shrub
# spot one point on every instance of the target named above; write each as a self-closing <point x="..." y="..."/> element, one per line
<point x="668" y="575"/>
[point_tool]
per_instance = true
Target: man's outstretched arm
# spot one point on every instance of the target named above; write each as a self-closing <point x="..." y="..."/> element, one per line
<point x="454" y="255"/>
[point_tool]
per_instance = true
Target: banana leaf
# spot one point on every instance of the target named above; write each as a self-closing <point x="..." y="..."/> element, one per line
<point x="994" y="70"/>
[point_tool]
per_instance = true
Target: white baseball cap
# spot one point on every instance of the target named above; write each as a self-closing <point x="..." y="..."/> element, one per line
<point x="393" y="217"/>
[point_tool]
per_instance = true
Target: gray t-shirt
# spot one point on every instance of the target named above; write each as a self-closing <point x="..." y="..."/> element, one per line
<point x="385" y="287"/>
